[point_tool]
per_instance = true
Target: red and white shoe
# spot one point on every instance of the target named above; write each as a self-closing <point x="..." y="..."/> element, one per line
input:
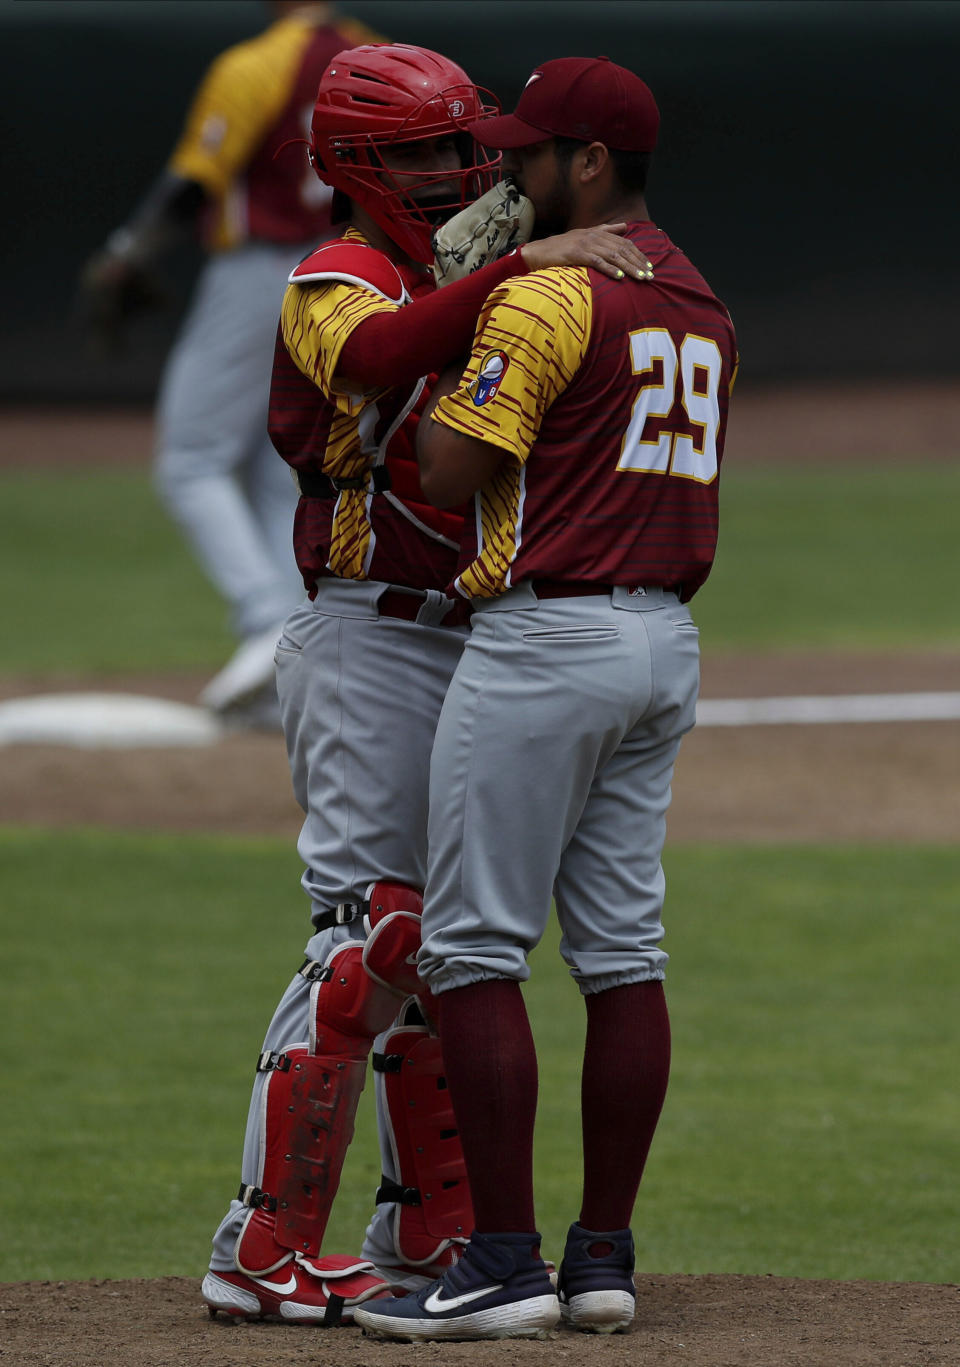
<point x="303" y="1291"/>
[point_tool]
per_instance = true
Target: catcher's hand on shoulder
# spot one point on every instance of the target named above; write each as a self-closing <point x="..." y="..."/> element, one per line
<point x="493" y="225"/>
<point x="604" y="247"/>
<point x="112" y="291"/>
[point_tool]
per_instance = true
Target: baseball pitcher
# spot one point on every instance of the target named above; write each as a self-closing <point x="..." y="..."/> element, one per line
<point x="589" y="427"/>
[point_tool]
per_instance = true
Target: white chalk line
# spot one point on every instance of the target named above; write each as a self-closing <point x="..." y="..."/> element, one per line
<point x="818" y="711"/>
<point x="106" y="721"/>
<point x="119" y="721"/>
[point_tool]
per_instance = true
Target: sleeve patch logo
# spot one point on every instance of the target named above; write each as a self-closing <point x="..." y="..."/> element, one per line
<point x="213" y="132"/>
<point x="493" y="367"/>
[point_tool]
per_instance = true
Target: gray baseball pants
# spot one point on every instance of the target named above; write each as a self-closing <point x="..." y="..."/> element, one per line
<point x="215" y="468"/>
<point x="550" y="778"/>
<point x="359" y="696"/>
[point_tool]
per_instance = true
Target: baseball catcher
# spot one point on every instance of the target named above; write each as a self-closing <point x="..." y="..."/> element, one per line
<point x="362" y="670"/>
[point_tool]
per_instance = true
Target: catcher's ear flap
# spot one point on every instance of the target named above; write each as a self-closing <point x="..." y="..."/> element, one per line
<point x="493" y="225"/>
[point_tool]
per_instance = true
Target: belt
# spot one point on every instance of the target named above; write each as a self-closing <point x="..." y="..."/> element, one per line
<point x="563" y="588"/>
<point x="318" y="485"/>
<point x="404" y="606"/>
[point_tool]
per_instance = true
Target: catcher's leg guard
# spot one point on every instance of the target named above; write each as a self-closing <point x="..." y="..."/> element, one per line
<point x="434" y="1214"/>
<point x="311" y="1095"/>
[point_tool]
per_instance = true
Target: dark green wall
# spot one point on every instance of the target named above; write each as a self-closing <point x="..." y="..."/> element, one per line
<point x="808" y="160"/>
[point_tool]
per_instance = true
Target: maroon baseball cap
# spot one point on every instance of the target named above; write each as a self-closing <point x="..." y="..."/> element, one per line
<point x="590" y="98"/>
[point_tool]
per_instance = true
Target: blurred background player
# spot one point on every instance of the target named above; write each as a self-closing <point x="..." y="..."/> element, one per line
<point x="362" y="668"/>
<point x="257" y="213"/>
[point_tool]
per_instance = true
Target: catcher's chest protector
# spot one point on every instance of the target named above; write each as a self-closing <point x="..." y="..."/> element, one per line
<point x="354" y="263"/>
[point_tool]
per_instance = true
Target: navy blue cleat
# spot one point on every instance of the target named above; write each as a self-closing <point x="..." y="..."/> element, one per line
<point x="595" y="1282"/>
<point x="500" y="1289"/>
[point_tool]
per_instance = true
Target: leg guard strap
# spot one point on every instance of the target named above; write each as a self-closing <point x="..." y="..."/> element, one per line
<point x="255" y="1199"/>
<point x="392" y="1191"/>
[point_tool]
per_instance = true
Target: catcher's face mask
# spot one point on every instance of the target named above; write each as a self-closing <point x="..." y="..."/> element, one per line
<point x="389" y="132"/>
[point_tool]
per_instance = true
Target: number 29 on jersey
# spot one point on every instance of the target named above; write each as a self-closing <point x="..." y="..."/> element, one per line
<point x="689" y="373"/>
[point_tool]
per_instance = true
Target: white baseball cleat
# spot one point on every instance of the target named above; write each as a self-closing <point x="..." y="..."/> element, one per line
<point x="595" y="1284"/>
<point x="248" y="670"/>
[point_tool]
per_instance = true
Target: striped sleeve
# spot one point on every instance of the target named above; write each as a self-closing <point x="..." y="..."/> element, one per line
<point x="240" y="98"/>
<point x="530" y="341"/>
<point x="316" y="322"/>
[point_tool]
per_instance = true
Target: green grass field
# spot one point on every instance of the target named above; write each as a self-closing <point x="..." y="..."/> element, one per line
<point x="811" y="1124"/>
<point x="840" y="558"/>
<point x="810" y="1127"/>
<point x="98" y="581"/>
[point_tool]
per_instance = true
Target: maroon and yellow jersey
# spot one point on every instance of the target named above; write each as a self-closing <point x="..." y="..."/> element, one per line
<point x="255" y="97"/>
<point x="610" y="402"/>
<point x="362" y="514"/>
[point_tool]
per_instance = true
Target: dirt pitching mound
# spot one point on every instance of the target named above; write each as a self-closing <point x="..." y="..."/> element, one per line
<point x="714" y="1321"/>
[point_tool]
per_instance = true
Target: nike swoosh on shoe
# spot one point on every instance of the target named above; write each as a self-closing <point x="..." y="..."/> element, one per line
<point x="287" y="1289"/>
<point x="435" y="1304"/>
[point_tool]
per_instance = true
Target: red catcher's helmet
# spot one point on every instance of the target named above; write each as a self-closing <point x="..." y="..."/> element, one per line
<point x="381" y="94"/>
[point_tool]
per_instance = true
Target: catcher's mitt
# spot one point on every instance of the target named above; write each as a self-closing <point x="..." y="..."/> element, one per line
<point x="113" y="290"/>
<point x="490" y="227"/>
